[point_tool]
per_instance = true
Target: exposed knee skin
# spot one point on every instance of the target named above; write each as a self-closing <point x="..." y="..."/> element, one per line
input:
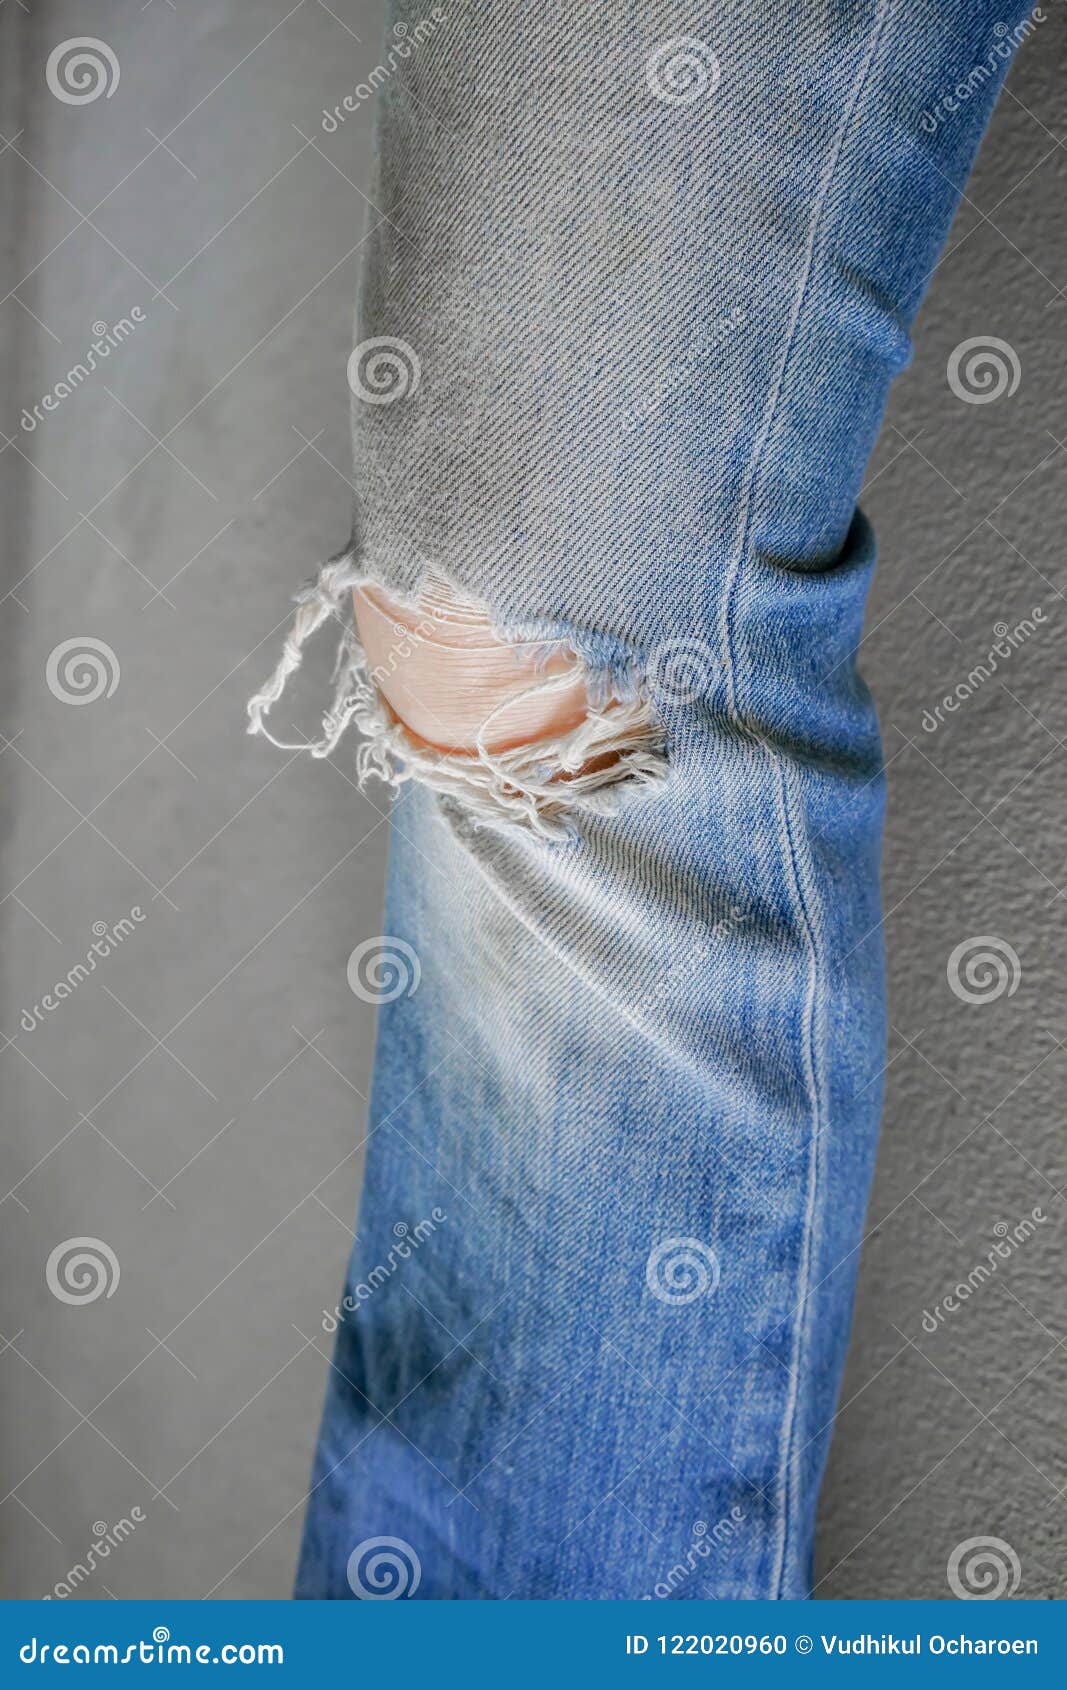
<point x="455" y="684"/>
<point x="521" y="735"/>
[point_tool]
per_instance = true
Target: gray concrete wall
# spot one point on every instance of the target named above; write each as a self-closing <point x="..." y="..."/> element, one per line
<point x="196" y="1103"/>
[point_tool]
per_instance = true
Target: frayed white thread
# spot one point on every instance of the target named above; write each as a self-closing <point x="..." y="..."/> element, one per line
<point x="315" y="605"/>
<point x="533" y="785"/>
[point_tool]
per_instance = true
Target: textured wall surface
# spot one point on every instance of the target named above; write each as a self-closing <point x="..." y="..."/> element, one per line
<point x="196" y="1102"/>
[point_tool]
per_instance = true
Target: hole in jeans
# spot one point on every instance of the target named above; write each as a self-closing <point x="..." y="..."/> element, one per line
<point x="522" y="733"/>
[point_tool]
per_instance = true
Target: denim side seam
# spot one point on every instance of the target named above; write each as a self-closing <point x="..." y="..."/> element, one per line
<point x="791" y="809"/>
<point x="813" y="1048"/>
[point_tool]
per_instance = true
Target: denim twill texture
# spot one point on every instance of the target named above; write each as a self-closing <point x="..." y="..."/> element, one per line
<point x="639" y="1077"/>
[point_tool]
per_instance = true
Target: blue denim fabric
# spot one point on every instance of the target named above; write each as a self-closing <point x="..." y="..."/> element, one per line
<point x="621" y="1134"/>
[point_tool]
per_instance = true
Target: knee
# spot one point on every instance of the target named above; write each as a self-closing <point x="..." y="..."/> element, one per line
<point x="458" y="686"/>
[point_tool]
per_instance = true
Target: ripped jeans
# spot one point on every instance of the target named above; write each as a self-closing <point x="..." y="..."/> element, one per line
<point x="635" y="284"/>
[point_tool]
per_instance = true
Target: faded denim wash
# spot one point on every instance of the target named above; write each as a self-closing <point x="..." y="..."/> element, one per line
<point x="627" y="1090"/>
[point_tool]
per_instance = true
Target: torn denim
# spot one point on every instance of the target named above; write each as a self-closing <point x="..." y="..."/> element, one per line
<point x="636" y="282"/>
